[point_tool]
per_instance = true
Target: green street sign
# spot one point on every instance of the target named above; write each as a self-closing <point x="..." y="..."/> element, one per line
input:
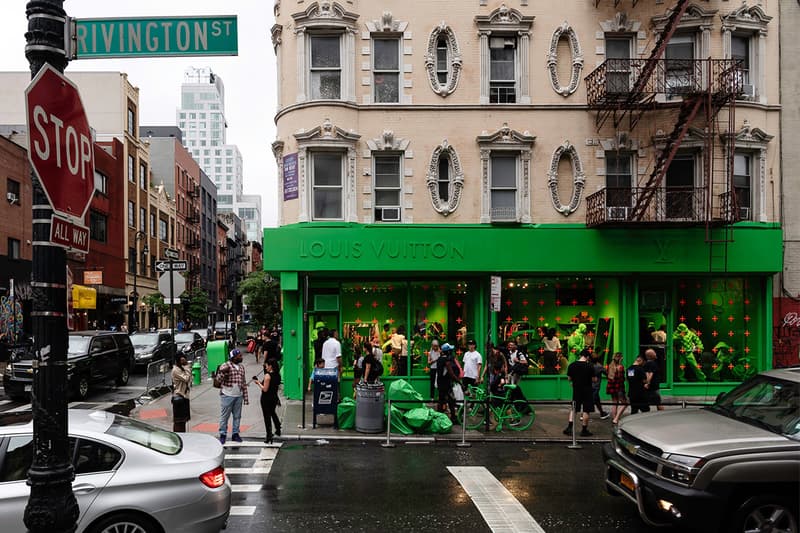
<point x="153" y="37"/>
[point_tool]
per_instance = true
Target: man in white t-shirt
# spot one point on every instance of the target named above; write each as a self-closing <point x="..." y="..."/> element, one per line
<point x="332" y="352"/>
<point x="472" y="365"/>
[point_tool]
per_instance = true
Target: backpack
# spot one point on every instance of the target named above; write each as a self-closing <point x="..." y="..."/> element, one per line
<point x="375" y="370"/>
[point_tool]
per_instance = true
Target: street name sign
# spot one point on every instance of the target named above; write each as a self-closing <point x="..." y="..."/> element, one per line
<point x="101" y="38"/>
<point x="170" y="253"/>
<point x="64" y="232"/>
<point x="60" y="144"/>
<point x="179" y="266"/>
<point x="178" y="284"/>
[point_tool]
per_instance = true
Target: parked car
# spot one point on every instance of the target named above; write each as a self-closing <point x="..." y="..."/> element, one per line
<point x="92" y="357"/>
<point x="190" y="344"/>
<point x="152" y="346"/>
<point x="203" y="332"/>
<point x="222" y="330"/>
<point x="733" y="466"/>
<point x="129" y="476"/>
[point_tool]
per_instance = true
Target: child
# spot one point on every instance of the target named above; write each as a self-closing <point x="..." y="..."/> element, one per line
<point x="318" y="363"/>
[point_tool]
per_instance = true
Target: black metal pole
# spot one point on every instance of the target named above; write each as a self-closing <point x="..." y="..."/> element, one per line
<point x="304" y="345"/>
<point x="172" y="315"/>
<point x="52" y="507"/>
<point x="132" y="311"/>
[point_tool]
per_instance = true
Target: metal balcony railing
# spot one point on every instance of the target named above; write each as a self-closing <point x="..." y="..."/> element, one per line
<point x="613" y="82"/>
<point x="669" y="205"/>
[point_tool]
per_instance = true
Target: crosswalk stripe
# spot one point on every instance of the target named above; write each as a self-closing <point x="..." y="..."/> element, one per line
<point x="5" y="402"/>
<point x="246" y="488"/>
<point x="250" y="470"/>
<point x="499" y="508"/>
<point x="243" y="510"/>
<point x="25" y="407"/>
<point x="252" y="456"/>
<point x="251" y="444"/>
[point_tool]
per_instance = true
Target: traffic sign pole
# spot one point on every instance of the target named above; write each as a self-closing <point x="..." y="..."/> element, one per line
<point x="172" y="312"/>
<point x="52" y="506"/>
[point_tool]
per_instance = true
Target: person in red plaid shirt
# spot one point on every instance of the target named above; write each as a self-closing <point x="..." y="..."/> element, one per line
<point x="232" y="393"/>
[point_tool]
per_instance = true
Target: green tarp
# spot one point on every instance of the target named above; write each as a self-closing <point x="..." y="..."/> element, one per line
<point x="401" y="390"/>
<point x="346" y="413"/>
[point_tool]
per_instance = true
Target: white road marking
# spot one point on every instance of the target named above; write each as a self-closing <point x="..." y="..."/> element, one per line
<point x="252" y="456"/>
<point x="251" y="444"/>
<point x="246" y="488"/>
<point x="501" y="510"/>
<point x="243" y="510"/>
<point x="249" y="470"/>
<point x="4" y="402"/>
<point x="25" y="407"/>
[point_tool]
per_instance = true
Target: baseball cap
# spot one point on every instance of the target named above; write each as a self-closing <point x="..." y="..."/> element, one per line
<point x="234" y="353"/>
<point x="471" y="341"/>
<point x="446" y="347"/>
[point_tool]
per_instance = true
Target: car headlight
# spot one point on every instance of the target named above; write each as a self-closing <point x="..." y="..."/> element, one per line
<point x="681" y="468"/>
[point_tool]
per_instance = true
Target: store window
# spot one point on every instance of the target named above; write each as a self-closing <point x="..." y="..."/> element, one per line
<point x="386" y="70"/>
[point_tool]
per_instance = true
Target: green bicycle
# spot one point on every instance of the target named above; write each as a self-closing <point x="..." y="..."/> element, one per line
<point x="518" y="415"/>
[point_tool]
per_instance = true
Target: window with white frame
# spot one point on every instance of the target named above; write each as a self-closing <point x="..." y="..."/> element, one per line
<point x="503" y="190"/>
<point x="743" y="184"/>
<point x="100" y="182"/>
<point x="131" y="214"/>
<point x="505" y="47"/>
<point x="442" y="59"/>
<point x="744" y="32"/>
<point x="679" y="65"/>
<point x="131" y="169"/>
<point x="619" y="178"/>
<point x="443" y="178"/>
<point x="680" y="200"/>
<point x="740" y="52"/>
<point x="142" y="176"/>
<point x="325" y="67"/>
<point x="502" y="70"/>
<point x="618" y="63"/>
<point x="327" y="185"/>
<point x="142" y="219"/>
<point x="388" y="187"/>
<point x="386" y="70"/>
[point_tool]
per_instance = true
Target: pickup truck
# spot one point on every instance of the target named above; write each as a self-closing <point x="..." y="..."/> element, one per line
<point x="733" y="466"/>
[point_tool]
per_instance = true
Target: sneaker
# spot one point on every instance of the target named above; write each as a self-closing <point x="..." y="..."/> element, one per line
<point x="236" y="438"/>
<point x="586" y="433"/>
<point x="603" y="416"/>
<point x="222" y="439"/>
<point x="278" y="432"/>
<point x="567" y="430"/>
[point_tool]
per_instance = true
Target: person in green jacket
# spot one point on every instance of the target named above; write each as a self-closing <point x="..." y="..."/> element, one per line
<point x="688" y="344"/>
<point x="576" y="343"/>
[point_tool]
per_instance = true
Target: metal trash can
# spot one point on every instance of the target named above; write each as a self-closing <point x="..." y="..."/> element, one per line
<point x="369" y="407"/>
<point x="326" y="394"/>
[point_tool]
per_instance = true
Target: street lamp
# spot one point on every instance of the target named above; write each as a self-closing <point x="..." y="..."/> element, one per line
<point x="133" y="310"/>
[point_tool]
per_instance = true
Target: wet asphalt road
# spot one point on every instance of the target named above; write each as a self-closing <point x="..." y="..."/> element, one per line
<point x="363" y="487"/>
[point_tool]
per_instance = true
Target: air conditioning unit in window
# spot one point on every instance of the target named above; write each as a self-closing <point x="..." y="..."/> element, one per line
<point x="617" y="213"/>
<point x="12" y="198"/>
<point x="389" y="214"/>
<point x="744" y="213"/>
<point x="748" y="91"/>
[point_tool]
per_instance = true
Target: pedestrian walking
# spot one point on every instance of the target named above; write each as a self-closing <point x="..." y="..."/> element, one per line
<point x="615" y="387"/>
<point x="597" y="380"/>
<point x="269" y="397"/>
<point x="433" y="356"/>
<point x="181" y="383"/>
<point x="636" y="390"/>
<point x="580" y="374"/>
<point x="446" y="378"/>
<point x="332" y="352"/>
<point x="232" y="394"/>
<point x="653" y="373"/>
<point x="473" y="361"/>
<point x="517" y="362"/>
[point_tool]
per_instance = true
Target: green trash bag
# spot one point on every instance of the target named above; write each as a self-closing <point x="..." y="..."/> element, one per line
<point x="402" y="390"/>
<point x="419" y="419"/>
<point x="440" y="423"/>
<point x="398" y="424"/>
<point x="346" y="412"/>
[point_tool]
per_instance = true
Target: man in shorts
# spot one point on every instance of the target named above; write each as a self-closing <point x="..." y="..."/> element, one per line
<point x="653" y="380"/>
<point x="580" y="374"/>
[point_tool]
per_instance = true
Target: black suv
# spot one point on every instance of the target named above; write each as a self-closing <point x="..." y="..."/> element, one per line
<point x="150" y="346"/>
<point x="92" y="357"/>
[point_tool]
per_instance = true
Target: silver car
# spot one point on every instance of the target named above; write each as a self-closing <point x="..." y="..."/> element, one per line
<point x="129" y="476"/>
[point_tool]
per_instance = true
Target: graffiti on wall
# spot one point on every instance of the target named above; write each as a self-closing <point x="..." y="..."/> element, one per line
<point x="10" y="317"/>
<point x="785" y="332"/>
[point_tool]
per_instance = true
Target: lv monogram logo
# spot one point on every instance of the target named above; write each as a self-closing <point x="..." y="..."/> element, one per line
<point x="664" y="247"/>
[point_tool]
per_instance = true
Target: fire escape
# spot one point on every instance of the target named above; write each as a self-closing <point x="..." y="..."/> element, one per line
<point x="703" y="92"/>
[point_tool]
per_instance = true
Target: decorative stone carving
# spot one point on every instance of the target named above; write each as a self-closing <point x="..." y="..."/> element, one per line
<point x="387" y="24"/>
<point x="456" y="179"/>
<point x="505" y="16"/>
<point x="277" y="36"/>
<point x="387" y="142"/>
<point x="453" y="58"/>
<point x="578" y="179"/>
<point x="746" y="17"/>
<point x="325" y="13"/>
<point x="695" y="18"/>
<point x="576" y="58"/>
<point x="620" y="24"/>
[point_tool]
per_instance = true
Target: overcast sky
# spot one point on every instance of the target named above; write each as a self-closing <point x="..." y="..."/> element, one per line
<point x="249" y="77"/>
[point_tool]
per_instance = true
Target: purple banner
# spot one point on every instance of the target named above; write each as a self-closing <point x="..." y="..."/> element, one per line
<point x="290" y="177"/>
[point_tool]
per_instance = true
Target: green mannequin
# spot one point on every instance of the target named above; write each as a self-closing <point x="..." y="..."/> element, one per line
<point x="688" y="343"/>
<point x="576" y="343"/>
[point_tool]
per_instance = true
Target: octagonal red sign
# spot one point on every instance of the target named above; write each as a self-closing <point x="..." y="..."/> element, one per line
<point x="60" y="142"/>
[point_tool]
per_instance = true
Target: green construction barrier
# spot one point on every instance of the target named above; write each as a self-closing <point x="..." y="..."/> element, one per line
<point x="217" y="352"/>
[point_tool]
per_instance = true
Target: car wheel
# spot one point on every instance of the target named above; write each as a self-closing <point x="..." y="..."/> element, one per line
<point x="124" y="523"/>
<point x="766" y="514"/>
<point x="82" y="387"/>
<point x="124" y="376"/>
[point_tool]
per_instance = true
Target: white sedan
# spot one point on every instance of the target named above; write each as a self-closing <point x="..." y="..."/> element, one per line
<point x="129" y="476"/>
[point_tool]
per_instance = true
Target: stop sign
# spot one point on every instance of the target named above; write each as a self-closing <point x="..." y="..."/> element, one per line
<point x="60" y="142"/>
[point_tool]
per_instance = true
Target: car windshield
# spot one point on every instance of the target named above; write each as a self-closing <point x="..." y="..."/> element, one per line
<point x="144" y="339"/>
<point x="184" y="337"/>
<point x="156" y="439"/>
<point x="78" y="345"/>
<point x="765" y="402"/>
<point x="220" y="325"/>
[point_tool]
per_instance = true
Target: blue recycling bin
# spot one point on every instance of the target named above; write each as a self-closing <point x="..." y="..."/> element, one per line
<point x="326" y="394"/>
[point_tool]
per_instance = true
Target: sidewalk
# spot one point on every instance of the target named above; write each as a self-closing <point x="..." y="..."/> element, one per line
<point x="547" y="427"/>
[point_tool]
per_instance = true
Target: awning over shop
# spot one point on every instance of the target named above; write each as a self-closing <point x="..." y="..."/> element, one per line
<point x="84" y="297"/>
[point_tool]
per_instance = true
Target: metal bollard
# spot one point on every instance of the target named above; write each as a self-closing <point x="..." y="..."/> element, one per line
<point x="388" y="443"/>
<point x="574" y="445"/>
<point x="464" y="407"/>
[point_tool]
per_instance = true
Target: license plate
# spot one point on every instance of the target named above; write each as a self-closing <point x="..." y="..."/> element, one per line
<point x="626" y="481"/>
<point x="27" y="388"/>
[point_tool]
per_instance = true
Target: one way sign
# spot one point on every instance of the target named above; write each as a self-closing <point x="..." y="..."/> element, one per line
<point x="177" y="266"/>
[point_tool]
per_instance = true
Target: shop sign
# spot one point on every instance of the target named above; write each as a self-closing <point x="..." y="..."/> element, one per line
<point x="496" y="286"/>
<point x="290" y="177"/>
<point x="92" y="277"/>
<point x="785" y="333"/>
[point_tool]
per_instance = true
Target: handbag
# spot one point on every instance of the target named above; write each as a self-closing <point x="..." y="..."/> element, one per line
<point x="458" y="392"/>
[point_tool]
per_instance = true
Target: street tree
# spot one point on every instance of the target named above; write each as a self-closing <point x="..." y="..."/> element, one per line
<point x="262" y="295"/>
<point x="155" y="301"/>
<point x="197" y="311"/>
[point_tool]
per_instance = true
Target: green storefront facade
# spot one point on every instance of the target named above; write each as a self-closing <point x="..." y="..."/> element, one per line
<point x="622" y="284"/>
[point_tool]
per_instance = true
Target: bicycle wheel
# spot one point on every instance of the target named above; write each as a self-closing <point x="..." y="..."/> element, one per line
<point x="521" y="416"/>
<point x="476" y="413"/>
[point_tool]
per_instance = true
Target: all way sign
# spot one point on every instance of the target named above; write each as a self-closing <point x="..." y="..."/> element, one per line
<point x="68" y="234"/>
<point x="151" y="37"/>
